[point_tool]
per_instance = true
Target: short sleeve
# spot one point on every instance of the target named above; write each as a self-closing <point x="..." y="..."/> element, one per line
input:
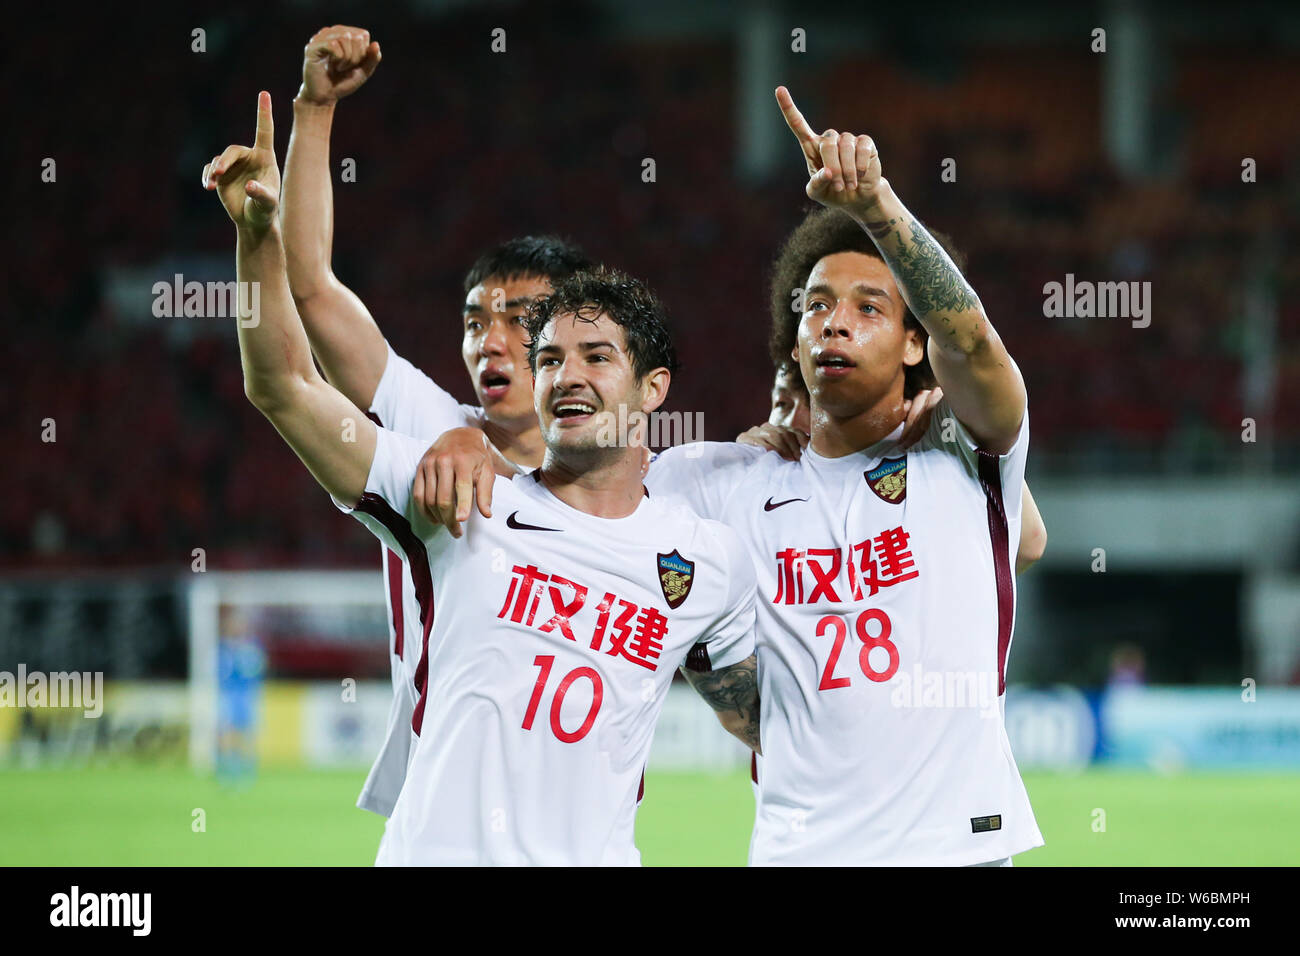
<point x="387" y="507"/>
<point x="409" y="402"/>
<point x="947" y="433"/>
<point x="730" y="639"/>
<point x="702" y="475"/>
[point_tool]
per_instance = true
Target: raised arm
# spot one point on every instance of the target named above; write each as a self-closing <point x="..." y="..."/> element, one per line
<point x="331" y="436"/>
<point x="982" y="383"/>
<point x="732" y="692"/>
<point x="344" y="336"/>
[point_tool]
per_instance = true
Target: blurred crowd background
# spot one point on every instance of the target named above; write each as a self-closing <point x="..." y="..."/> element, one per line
<point x="458" y="147"/>
<point x="156" y="532"/>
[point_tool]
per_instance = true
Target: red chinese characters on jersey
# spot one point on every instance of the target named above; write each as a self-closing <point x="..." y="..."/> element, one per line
<point x="895" y="565"/>
<point x="810" y="575"/>
<point x="635" y="633"/>
<point x="564" y="609"/>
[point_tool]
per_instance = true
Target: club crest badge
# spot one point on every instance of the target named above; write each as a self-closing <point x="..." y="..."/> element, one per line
<point x="675" y="576"/>
<point x="889" y="480"/>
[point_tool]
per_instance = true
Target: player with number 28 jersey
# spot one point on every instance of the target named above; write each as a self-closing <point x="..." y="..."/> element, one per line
<point x="885" y="606"/>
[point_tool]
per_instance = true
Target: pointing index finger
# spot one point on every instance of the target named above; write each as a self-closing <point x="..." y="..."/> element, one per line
<point x="265" y="125"/>
<point x="793" y="118"/>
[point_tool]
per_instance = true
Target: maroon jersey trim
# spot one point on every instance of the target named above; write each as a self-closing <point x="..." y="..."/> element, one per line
<point x="393" y="568"/>
<point x="417" y="559"/>
<point x="991" y="481"/>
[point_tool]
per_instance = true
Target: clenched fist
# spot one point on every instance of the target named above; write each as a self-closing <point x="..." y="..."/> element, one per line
<point x="335" y="62"/>
<point x="843" y="169"/>
<point x="248" y="180"/>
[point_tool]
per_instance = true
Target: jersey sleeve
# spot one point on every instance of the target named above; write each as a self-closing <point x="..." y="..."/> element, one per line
<point x="730" y="638"/>
<point x="387" y="507"/>
<point x="702" y="475"/>
<point x="409" y="402"/>
<point x="1006" y="471"/>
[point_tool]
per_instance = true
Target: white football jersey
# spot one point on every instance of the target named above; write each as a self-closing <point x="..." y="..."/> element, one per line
<point x="554" y="637"/>
<point x="886" y="601"/>
<point x="406" y="401"/>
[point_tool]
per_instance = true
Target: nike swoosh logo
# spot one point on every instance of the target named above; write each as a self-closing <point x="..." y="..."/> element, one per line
<point x="772" y="506"/>
<point x="519" y="526"/>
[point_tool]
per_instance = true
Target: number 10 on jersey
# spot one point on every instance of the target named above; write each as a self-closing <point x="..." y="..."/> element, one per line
<point x="838" y="627"/>
<point x="544" y="663"/>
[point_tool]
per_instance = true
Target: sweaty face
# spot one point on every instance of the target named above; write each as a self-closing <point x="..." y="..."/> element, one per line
<point x="790" y="402"/>
<point x="584" y="373"/>
<point x="495" y="345"/>
<point x="852" y="346"/>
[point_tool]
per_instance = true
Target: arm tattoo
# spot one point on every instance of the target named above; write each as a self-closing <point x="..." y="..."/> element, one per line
<point x="928" y="278"/>
<point x="878" y="230"/>
<point x="732" y="690"/>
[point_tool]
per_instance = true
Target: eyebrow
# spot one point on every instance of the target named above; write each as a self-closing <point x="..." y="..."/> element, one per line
<point x="822" y="288"/>
<point x="475" y="308"/>
<point x="584" y="346"/>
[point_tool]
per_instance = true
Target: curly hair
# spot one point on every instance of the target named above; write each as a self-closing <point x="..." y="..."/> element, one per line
<point x="626" y="300"/>
<point x="542" y="257"/>
<point x="822" y="233"/>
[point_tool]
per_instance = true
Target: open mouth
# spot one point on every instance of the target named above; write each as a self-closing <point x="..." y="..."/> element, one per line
<point x="832" y="364"/>
<point x="493" y="383"/>
<point x="572" y="411"/>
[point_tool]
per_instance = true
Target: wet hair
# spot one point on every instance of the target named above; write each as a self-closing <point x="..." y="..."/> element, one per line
<point x="626" y="300"/>
<point x="541" y="257"/>
<point x="822" y="233"/>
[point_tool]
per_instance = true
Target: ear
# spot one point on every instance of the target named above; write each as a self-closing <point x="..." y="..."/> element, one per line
<point x="913" y="347"/>
<point x="654" y="389"/>
<point x="794" y="353"/>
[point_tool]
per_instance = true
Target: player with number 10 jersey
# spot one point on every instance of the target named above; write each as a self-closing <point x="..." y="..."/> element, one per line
<point x="555" y="635"/>
<point x="489" y="783"/>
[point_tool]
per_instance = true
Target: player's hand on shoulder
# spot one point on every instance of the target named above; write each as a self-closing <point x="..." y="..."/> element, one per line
<point x="789" y="443"/>
<point x="246" y="178"/>
<point x="919" y="408"/>
<point x="456" y="469"/>
<point x="843" y="168"/>
<point x="336" y="62"/>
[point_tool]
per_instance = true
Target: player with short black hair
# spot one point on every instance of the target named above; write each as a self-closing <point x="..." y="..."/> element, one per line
<point x="356" y="358"/>
<point x="882" y="568"/>
<point x="560" y="622"/>
<point x="527" y="257"/>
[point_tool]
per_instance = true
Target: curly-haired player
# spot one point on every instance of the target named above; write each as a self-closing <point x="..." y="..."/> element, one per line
<point x="888" y="595"/>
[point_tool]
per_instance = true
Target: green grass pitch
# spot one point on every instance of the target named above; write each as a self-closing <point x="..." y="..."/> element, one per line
<point x="127" y="816"/>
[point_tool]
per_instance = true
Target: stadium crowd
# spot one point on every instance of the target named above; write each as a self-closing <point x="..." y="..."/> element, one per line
<point x="156" y="452"/>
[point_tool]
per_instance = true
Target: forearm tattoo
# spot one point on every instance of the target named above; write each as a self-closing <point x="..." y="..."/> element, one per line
<point x="732" y="690"/>
<point x="929" y="280"/>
